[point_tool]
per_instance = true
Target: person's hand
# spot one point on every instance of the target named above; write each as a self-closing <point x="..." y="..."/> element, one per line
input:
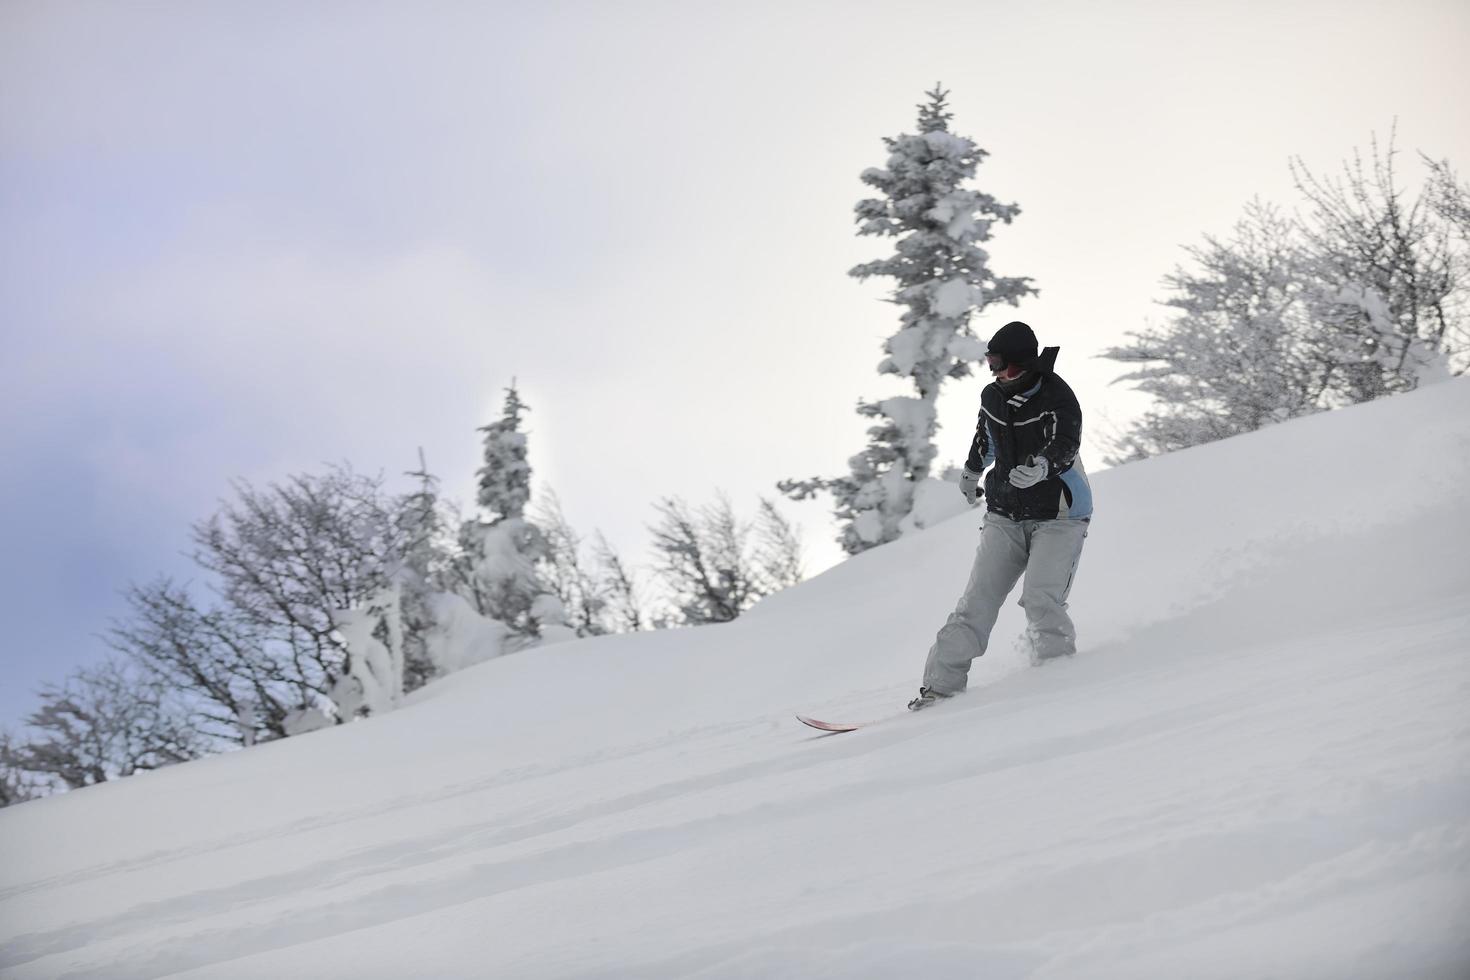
<point x="970" y="486"/>
<point x="1031" y="474"/>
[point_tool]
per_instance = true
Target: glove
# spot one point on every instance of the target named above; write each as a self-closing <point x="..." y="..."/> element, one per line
<point x="970" y="486"/>
<point x="1031" y="474"/>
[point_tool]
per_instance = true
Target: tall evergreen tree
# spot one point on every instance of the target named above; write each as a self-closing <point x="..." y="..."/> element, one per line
<point x="505" y="477"/>
<point x="424" y="573"/>
<point x="504" y="549"/>
<point x="941" y="278"/>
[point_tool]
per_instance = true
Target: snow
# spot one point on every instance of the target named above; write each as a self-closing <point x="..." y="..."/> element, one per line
<point x="906" y="348"/>
<point x="956" y="211"/>
<point x="502" y="557"/>
<point x="948" y="145"/>
<point x="1371" y="302"/>
<point x="461" y="636"/>
<point x="868" y="526"/>
<point x="1258" y="765"/>
<point x="551" y="613"/>
<point x="913" y="416"/>
<point x="376" y="668"/>
<point x="967" y="349"/>
<point x="299" y="721"/>
<point x="954" y="298"/>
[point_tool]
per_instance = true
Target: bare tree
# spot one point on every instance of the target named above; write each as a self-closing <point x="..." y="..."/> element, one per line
<point x="778" y="550"/>
<point x="709" y="566"/>
<point x="1385" y="281"/>
<point x="1449" y="198"/>
<point x="315" y="579"/>
<point x="292" y="558"/>
<point x="624" y="595"/>
<point x="702" y="561"/>
<point x="17" y="785"/>
<point x="566" y="572"/>
<point x="243" y="690"/>
<point x="104" y="723"/>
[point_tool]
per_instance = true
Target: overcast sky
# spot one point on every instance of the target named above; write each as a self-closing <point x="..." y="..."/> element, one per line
<point x="240" y="240"/>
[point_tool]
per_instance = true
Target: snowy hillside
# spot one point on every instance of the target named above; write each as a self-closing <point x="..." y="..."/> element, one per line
<point x="1259" y="765"/>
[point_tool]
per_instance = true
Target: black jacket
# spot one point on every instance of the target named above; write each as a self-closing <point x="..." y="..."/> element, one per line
<point x="1044" y="419"/>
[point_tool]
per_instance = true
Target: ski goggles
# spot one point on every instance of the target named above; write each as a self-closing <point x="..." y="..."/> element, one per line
<point x="996" y="363"/>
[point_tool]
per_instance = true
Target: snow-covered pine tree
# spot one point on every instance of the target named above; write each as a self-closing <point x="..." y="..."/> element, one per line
<point x="505" y="477"/>
<point x="504" y="548"/>
<point x="424" y="573"/>
<point x="941" y="278"/>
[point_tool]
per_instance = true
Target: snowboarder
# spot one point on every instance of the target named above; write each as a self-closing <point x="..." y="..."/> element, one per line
<point x="1030" y="428"/>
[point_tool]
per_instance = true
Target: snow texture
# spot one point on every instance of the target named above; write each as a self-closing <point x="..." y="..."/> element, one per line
<point x="967" y="349"/>
<point x="551" y="613"/>
<point x="913" y="416"/>
<point x="376" y="668"/>
<point x="954" y="298"/>
<point x="1258" y="765"/>
<point x="460" y="636"/>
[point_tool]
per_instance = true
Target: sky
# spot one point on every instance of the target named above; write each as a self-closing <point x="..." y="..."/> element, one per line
<point x="240" y="241"/>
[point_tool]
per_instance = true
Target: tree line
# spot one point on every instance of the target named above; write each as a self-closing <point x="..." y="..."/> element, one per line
<point x="328" y="597"/>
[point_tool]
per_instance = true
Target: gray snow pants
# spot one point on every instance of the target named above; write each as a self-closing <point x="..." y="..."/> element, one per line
<point x="1046" y="552"/>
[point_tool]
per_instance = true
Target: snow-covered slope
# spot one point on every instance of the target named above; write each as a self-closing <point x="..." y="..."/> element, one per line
<point x="1258" y="766"/>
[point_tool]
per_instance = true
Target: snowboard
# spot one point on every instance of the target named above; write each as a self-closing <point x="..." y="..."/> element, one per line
<point x="829" y="726"/>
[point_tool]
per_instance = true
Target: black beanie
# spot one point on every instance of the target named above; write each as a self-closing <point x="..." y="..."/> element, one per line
<point x="1016" y="343"/>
